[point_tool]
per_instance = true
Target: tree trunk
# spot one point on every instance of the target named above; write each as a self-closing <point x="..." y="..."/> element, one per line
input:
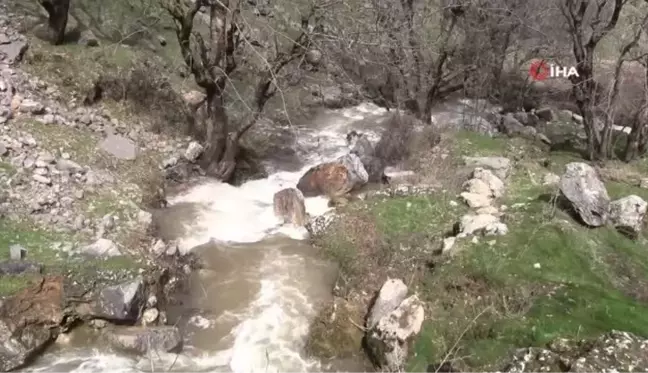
<point x="216" y="130"/>
<point x="632" y="146"/>
<point x="223" y="169"/>
<point x="58" y="17"/>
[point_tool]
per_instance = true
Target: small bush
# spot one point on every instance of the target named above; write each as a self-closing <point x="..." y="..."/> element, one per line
<point x="150" y="93"/>
<point x="402" y="138"/>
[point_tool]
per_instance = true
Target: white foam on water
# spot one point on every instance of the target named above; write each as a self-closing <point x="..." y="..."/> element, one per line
<point x="275" y="324"/>
<point x="272" y="335"/>
<point x="245" y="214"/>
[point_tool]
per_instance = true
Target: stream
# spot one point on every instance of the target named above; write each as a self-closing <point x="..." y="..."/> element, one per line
<point x="251" y="307"/>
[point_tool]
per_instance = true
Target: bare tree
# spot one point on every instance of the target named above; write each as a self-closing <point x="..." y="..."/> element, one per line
<point x="588" y="23"/>
<point x="58" y="17"/>
<point x="212" y="59"/>
<point x="414" y="53"/>
<point x="406" y="52"/>
<point x="421" y="72"/>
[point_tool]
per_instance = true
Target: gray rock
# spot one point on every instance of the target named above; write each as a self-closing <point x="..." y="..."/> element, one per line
<point x="108" y="222"/>
<point x="586" y="192"/>
<point x="170" y="162"/>
<point x="13" y="52"/>
<point x="47" y="119"/>
<point x="499" y="165"/>
<point x="627" y="214"/>
<point x="123" y="302"/>
<point x="472" y="224"/>
<point x="546" y="114"/>
<point x="389" y="339"/>
<point x="391" y="295"/>
<point x="68" y="165"/>
<point x="523" y="118"/>
<point x="362" y="147"/>
<point x="119" y="147"/>
<point x="79" y="223"/>
<point x="142" y="340"/>
<point x="194" y="150"/>
<point x="172" y="249"/>
<point x="314" y="57"/>
<point x="550" y="179"/>
<point x="289" y="206"/>
<point x="150" y="316"/>
<point x="31" y="107"/>
<point x="476" y="200"/>
<point x="88" y="39"/>
<point x="159" y="248"/>
<point x="3" y="150"/>
<point x="357" y="172"/>
<point x="41" y="171"/>
<point x="194" y="99"/>
<point x="643" y="183"/>
<point x="17" y="252"/>
<point x="332" y="96"/>
<point x="510" y="125"/>
<point x="102" y="248"/>
<point x="144" y="219"/>
<point x="42" y="179"/>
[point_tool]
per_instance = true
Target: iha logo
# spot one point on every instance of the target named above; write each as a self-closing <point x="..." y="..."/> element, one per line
<point x="541" y="70"/>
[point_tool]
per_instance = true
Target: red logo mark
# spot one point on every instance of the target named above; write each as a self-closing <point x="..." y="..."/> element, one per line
<point x="539" y="70"/>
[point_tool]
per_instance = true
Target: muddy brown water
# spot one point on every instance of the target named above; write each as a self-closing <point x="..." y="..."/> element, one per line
<point x="250" y="308"/>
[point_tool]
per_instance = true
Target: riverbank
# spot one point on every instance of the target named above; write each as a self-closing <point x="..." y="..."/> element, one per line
<point x="546" y="278"/>
<point x="77" y="232"/>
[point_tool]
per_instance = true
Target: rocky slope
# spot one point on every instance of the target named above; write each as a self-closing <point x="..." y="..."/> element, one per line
<point x="75" y="226"/>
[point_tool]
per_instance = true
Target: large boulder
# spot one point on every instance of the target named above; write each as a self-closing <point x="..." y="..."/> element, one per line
<point x="121" y="303"/>
<point x="357" y="171"/>
<point x="391" y="295"/>
<point x="289" y="206"/>
<point x="103" y="247"/>
<point x="142" y="340"/>
<point x="627" y="214"/>
<point x="482" y="188"/>
<point x="389" y="338"/>
<point x="334" y="178"/>
<point x="586" y="192"/>
<point x="29" y="320"/>
<point x="119" y="147"/>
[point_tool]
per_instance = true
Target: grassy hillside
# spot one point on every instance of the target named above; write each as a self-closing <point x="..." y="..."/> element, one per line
<point x="549" y="277"/>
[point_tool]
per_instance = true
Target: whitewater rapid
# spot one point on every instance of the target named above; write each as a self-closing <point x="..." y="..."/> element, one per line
<point x="265" y="285"/>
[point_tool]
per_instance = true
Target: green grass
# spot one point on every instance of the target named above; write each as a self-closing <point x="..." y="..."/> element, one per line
<point x="466" y="143"/>
<point x="581" y="288"/>
<point x="618" y="189"/>
<point x="6" y="168"/>
<point x="80" y="144"/>
<point x="40" y="242"/>
<point x="585" y="269"/>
